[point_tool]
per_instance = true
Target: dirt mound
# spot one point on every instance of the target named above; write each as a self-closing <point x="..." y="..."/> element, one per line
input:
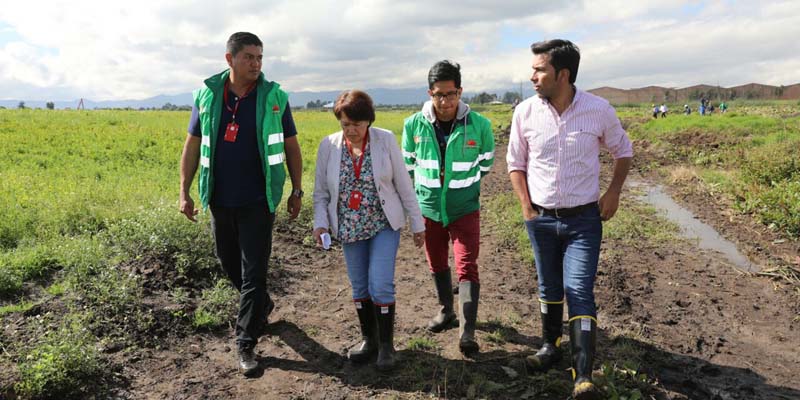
<point x="698" y="138"/>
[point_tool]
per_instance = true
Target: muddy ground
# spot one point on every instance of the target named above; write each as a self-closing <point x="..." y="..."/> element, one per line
<point x="697" y="327"/>
<point x="701" y="328"/>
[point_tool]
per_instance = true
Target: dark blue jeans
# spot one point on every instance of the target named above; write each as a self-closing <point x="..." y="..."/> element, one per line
<point x="243" y="239"/>
<point x="566" y="251"/>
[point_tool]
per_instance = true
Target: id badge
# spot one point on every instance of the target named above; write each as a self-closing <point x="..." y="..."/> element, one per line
<point x="354" y="202"/>
<point x="231" y="132"/>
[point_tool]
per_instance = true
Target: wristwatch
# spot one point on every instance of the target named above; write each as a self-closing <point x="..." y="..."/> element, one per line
<point x="297" y="193"/>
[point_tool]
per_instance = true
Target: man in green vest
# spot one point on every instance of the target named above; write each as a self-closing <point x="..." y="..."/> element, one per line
<point x="240" y="134"/>
<point x="448" y="149"/>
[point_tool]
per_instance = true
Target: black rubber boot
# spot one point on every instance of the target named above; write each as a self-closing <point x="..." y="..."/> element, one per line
<point x="468" y="296"/>
<point x="582" y="342"/>
<point x="446" y="318"/>
<point x="550" y="353"/>
<point x="386" y="357"/>
<point x="369" y="333"/>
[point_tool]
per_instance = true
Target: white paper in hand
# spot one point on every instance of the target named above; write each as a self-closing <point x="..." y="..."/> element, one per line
<point x="326" y="240"/>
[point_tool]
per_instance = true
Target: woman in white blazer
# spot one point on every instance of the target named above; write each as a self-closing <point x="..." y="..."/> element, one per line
<point x="362" y="196"/>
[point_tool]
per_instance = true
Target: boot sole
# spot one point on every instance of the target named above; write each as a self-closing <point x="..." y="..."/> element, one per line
<point x="469" y="348"/>
<point x="453" y="323"/>
<point x="361" y="358"/>
<point x="541" y="364"/>
<point x="586" y="392"/>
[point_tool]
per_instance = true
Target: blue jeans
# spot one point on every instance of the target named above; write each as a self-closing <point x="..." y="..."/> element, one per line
<point x="567" y="250"/>
<point x="370" y="266"/>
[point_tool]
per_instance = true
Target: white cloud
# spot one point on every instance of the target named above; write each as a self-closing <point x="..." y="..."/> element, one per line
<point x="118" y="50"/>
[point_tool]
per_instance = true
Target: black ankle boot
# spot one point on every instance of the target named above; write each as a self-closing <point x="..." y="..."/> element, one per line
<point x="386" y="356"/>
<point x="551" y="315"/>
<point x="369" y="345"/>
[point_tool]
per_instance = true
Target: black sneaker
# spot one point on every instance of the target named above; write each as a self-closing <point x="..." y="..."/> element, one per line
<point x="247" y="360"/>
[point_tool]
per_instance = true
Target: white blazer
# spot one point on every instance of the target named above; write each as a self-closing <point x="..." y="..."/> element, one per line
<point x="392" y="180"/>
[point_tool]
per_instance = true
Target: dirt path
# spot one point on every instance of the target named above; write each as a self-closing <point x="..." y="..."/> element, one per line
<point x="702" y="329"/>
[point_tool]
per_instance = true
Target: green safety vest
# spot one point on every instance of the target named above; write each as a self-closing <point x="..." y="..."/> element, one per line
<point x="270" y="104"/>
<point x="468" y="157"/>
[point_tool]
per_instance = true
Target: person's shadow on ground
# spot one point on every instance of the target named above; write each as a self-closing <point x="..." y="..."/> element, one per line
<point x="503" y="374"/>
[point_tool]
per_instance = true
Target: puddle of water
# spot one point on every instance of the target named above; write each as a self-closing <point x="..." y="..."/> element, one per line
<point x="692" y="228"/>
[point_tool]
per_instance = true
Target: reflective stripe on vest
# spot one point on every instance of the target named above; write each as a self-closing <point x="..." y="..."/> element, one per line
<point x="428" y="182"/>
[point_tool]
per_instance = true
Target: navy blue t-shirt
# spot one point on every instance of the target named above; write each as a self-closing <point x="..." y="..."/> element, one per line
<point x="238" y="174"/>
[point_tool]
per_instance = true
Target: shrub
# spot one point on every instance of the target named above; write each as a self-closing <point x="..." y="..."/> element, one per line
<point x="31" y="262"/>
<point x="10" y="282"/>
<point x="780" y="207"/>
<point x="216" y="307"/>
<point x="112" y="302"/>
<point x="772" y="163"/>
<point x="163" y="233"/>
<point x="65" y="365"/>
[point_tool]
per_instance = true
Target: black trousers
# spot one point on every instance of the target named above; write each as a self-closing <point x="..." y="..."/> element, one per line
<point x="243" y="241"/>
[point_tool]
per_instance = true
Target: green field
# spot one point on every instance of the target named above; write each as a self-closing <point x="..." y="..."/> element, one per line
<point x="87" y="189"/>
<point x="86" y="197"/>
<point x="748" y="155"/>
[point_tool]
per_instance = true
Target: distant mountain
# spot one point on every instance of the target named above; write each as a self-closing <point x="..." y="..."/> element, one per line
<point x="658" y="94"/>
<point x="380" y="96"/>
<point x="157" y="102"/>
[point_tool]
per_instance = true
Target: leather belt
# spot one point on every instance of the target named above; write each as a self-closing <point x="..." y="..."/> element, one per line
<point x="563" y="212"/>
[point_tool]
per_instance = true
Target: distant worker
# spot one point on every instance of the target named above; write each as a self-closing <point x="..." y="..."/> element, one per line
<point x="655" y="111"/>
<point x="703" y="107"/>
<point x="686" y="109"/>
<point x="663" y="110"/>
<point x="723" y="107"/>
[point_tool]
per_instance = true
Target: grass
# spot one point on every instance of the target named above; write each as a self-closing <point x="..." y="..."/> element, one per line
<point x="216" y="307"/>
<point x="635" y="221"/>
<point x="421" y="344"/>
<point x="503" y="214"/>
<point x="16" y="308"/>
<point x="65" y="364"/>
<point x="748" y="155"/>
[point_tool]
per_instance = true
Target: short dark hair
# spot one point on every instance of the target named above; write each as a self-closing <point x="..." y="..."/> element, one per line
<point x="238" y="40"/>
<point x="444" y="70"/>
<point x="563" y="55"/>
<point x="356" y="105"/>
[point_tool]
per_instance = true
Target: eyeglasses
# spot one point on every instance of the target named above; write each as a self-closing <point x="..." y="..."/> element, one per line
<point x="449" y="96"/>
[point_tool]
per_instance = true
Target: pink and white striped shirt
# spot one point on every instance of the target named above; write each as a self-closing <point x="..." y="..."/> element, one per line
<point x="561" y="153"/>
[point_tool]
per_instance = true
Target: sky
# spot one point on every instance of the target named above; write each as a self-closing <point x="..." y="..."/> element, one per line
<point x="113" y="50"/>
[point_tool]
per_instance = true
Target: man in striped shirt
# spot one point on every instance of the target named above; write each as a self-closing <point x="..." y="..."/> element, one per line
<point x="554" y="166"/>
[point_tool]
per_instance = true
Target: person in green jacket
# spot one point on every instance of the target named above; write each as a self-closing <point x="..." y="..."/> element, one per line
<point x="241" y="134"/>
<point x="447" y="149"/>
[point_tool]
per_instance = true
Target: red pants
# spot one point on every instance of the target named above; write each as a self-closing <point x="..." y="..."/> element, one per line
<point x="465" y="233"/>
